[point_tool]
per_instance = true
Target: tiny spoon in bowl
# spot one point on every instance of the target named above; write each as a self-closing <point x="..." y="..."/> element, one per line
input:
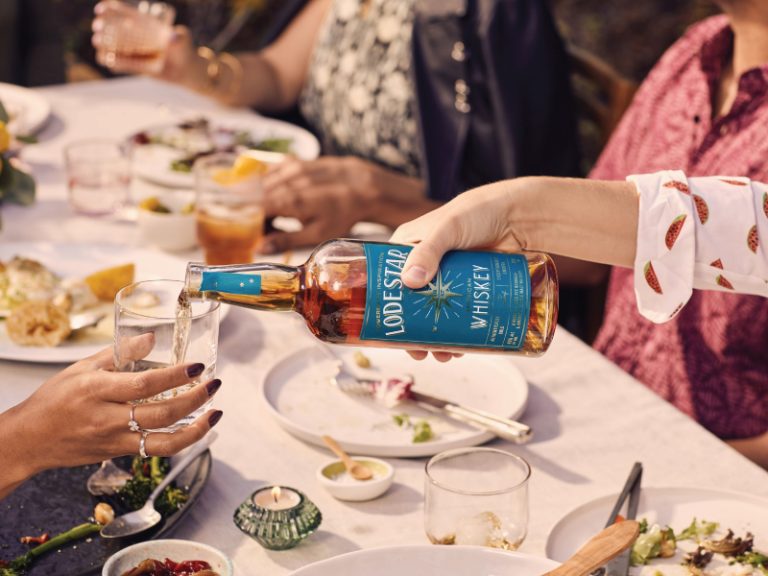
<point x="357" y="470"/>
<point x="602" y="547"/>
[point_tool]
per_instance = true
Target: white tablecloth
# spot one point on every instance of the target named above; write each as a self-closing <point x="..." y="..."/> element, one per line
<point x="591" y="420"/>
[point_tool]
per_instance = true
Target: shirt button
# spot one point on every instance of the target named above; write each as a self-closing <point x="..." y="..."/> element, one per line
<point x="461" y="88"/>
<point x="457" y="53"/>
<point x="724" y="129"/>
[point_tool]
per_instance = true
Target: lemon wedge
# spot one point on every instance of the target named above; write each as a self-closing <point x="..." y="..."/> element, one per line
<point x="106" y="283"/>
<point x="244" y="167"/>
<point x="153" y="204"/>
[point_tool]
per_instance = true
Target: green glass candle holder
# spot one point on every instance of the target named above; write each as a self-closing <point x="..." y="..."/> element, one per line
<point x="278" y="517"/>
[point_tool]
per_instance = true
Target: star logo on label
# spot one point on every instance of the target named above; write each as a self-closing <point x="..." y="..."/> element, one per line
<point x="438" y="296"/>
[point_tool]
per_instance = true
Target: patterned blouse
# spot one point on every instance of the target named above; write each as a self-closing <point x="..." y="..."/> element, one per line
<point x="711" y="360"/>
<point x="358" y="95"/>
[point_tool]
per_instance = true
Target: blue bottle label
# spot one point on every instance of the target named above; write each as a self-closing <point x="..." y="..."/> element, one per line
<point x="477" y="299"/>
<point x="231" y="283"/>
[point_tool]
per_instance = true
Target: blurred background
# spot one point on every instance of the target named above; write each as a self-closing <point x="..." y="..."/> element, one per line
<point x="48" y="41"/>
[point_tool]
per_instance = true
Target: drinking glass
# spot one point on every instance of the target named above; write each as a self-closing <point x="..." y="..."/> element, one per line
<point x="98" y="176"/>
<point x="135" y="36"/>
<point x="477" y="496"/>
<point x="151" y="306"/>
<point x="229" y="210"/>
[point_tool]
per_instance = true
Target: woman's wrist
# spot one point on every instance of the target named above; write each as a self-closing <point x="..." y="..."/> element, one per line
<point x="17" y="451"/>
<point x="392" y="198"/>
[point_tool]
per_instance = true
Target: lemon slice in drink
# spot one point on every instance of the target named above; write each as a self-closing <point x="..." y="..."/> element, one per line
<point x="244" y="167"/>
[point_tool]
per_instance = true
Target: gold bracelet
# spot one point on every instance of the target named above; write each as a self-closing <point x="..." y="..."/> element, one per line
<point x="214" y="68"/>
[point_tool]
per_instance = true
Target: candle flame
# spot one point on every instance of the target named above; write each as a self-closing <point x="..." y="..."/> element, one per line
<point x="276" y="493"/>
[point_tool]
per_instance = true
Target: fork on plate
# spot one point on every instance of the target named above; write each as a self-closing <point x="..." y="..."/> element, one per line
<point x="349" y="383"/>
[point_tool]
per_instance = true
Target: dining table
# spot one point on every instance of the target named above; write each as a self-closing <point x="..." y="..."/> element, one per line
<point x="591" y="420"/>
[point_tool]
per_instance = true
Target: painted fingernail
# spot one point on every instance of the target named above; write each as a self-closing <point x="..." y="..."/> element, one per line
<point x="415" y="275"/>
<point x="212" y="387"/>
<point x="214" y="418"/>
<point x="195" y="369"/>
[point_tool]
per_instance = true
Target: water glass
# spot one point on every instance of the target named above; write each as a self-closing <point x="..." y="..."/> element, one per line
<point x="229" y="210"/>
<point x="151" y="306"/>
<point x="98" y="176"/>
<point x="135" y="36"/>
<point x="477" y="497"/>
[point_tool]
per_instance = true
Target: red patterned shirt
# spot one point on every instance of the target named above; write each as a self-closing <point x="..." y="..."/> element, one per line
<point x="711" y="360"/>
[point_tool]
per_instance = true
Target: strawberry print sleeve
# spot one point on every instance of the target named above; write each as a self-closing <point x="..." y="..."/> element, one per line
<point x="701" y="233"/>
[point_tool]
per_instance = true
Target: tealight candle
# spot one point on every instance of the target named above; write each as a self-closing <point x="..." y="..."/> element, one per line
<point x="278" y="517"/>
<point x="276" y="498"/>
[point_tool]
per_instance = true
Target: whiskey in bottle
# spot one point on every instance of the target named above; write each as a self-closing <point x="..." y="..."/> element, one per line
<point x="350" y="292"/>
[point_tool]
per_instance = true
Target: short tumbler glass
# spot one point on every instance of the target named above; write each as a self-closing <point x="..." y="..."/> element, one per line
<point x="229" y="210"/>
<point x="477" y="497"/>
<point x="135" y="35"/>
<point x="150" y="306"/>
<point x="98" y="175"/>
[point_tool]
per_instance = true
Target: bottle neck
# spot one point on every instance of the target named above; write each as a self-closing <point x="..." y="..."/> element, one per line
<point x="261" y="286"/>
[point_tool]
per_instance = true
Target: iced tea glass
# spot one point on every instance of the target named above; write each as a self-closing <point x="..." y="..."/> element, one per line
<point x="151" y="306"/>
<point x="477" y="497"/>
<point x="229" y="210"/>
<point x="98" y="176"/>
<point x="135" y="36"/>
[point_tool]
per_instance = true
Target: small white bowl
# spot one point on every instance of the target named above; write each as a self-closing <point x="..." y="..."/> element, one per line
<point x="334" y="478"/>
<point x="176" y="550"/>
<point x="172" y="232"/>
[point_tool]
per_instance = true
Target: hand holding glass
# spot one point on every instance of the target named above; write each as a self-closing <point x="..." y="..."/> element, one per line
<point x="151" y="306"/>
<point x="134" y="36"/>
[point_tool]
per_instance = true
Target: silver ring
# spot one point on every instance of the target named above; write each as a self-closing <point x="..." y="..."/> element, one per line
<point x="143" y="444"/>
<point x="133" y="426"/>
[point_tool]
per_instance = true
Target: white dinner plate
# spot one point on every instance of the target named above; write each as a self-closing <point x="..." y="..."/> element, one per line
<point x="430" y="561"/>
<point x="152" y="162"/>
<point x="299" y="394"/>
<point x="673" y="507"/>
<point x="79" y="260"/>
<point x="28" y="110"/>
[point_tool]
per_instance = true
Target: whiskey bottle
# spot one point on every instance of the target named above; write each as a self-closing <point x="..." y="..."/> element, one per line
<point x="350" y="292"/>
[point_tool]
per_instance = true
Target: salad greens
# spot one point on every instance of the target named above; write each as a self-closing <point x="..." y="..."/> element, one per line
<point x="654" y="542"/>
<point x="422" y="430"/>
<point x="135" y="492"/>
<point x="657" y="542"/>
<point x="698" y="530"/>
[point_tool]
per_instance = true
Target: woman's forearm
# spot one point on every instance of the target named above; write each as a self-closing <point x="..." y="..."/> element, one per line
<point x="253" y="81"/>
<point x="585" y="219"/>
<point x="269" y="80"/>
<point x="16" y="454"/>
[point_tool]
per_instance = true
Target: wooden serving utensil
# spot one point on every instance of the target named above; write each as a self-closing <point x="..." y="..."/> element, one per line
<point x="357" y="470"/>
<point x="599" y="549"/>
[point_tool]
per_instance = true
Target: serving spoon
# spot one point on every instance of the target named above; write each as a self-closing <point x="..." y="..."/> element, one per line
<point x="146" y="517"/>
<point x="357" y="470"/>
<point x="602" y="547"/>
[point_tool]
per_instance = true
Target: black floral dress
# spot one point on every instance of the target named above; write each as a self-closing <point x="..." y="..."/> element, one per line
<point x="358" y="94"/>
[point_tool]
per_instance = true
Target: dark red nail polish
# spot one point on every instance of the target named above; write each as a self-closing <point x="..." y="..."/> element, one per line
<point x="214" y="418"/>
<point x="212" y="387"/>
<point x="195" y="370"/>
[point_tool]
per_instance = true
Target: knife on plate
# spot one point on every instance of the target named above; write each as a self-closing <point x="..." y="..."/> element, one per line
<point x="506" y="428"/>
